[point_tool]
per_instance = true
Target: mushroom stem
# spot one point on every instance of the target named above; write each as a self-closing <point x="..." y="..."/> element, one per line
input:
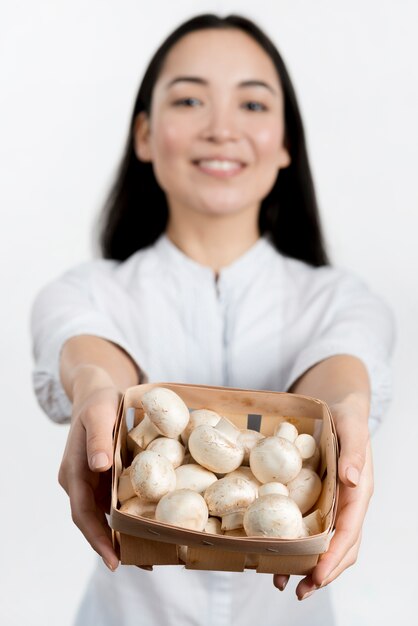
<point x="231" y="521"/>
<point x="125" y="489"/>
<point x="142" y="434"/>
<point x="228" y="429"/>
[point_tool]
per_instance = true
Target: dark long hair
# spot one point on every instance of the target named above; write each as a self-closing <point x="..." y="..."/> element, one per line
<point x="136" y="211"/>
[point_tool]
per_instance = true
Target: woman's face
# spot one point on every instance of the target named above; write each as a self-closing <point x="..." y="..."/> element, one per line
<point x="215" y="134"/>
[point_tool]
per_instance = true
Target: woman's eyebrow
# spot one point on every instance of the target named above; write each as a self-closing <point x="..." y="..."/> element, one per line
<point x="202" y="81"/>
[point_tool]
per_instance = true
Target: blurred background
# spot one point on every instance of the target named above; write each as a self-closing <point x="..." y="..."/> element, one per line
<point x="69" y="72"/>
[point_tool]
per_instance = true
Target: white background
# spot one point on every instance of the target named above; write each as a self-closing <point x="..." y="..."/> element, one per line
<point x="69" y="72"/>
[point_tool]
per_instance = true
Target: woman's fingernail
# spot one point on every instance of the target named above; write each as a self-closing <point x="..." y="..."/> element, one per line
<point x="307" y="594"/>
<point x="99" y="460"/>
<point x="352" y="475"/>
<point x="112" y="569"/>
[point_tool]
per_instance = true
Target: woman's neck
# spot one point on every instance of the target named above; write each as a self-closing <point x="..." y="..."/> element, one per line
<point x="213" y="241"/>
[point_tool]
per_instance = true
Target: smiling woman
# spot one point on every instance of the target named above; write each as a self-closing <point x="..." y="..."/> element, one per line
<point x="217" y="157"/>
<point x="215" y="273"/>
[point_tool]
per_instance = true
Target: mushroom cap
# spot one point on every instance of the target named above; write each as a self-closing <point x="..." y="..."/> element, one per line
<point x="243" y="471"/>
<point x="306" y="445"/>
<point x="248" y="438"/>
<point x="273" y="487"/>
<point x="172" y="449"/>
<point x="152" y="475"/>
<point x="195" y="477"/>
<point x="313" y="461"/>
<point x="287" y="431"/>
<point x="198" y="417"/>
<point x="184" y="508"/>
<point x="305" y="489"/>
<point x="214" y="450"/>
<point x="136" y="506"/>
<point x="275" y="459"/>
<point x="229" y="495"/>
<point x="274" y="515"/>
<point x="166" y="410"/>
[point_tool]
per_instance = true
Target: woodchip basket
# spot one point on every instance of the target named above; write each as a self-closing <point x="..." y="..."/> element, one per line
<point x="142" y="541"/>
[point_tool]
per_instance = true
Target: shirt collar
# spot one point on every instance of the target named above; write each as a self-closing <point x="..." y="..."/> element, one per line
<point x="240" y="272"/>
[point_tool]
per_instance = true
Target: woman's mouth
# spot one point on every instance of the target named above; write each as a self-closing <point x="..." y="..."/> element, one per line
<point x="219" y="168"/>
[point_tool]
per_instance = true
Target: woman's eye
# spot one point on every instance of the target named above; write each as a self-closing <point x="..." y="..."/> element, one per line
<point x="255" y="106"/>
<point x="184" y="101"/>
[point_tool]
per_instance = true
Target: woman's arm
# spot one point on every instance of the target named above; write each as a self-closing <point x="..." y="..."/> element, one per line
<point x="94" y="373"/>
<point x="343" y="383"/>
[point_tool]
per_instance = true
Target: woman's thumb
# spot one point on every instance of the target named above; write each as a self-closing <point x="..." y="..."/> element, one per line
<point x="353" y="436"/>
<point x="99" y="425"/>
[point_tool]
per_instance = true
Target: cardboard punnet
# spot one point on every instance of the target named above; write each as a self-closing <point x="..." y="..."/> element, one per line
<point x="145" y="542"/>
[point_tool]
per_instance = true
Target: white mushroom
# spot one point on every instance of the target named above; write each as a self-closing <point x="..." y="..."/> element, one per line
<point x="172" y="449"/>
<point x="213" y="526"/>
<point x="305" y="489"/>
<point x="184" y="508"/>
<point x="166" y="410"/>
<point x="138" y="507"/>
<point x="306" y="445"/>
<point x="198" y="417"/>
<point x="273" y="487"/>
<point x="313" y="462"/>
<point x="195" y="477"/>
<point x="125" y="489"/>
<point x="275" y="459"/>
<point x="228" y="498"/>
<point x="248" y="438"/>
<point x="274" y="515"/>
<point x="243" y="471"/>
<point x="287" y="431"/>
<point x="152" y="475"/>
<point x="141" y="435"/>
<point x="216" y="447"/>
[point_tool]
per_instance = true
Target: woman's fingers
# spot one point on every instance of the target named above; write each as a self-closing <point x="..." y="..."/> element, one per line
<point x="280" y="581"/>
<point x="92" y="521"/>
<point x="344" y="545"/>
<point x="307" y="586"/>
<point x="89" y="487"/>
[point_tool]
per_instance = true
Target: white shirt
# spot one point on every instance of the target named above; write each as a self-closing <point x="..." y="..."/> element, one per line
<point x="263" y="323"/>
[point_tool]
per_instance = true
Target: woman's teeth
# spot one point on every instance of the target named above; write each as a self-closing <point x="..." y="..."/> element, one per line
<point x="220" y="165"/>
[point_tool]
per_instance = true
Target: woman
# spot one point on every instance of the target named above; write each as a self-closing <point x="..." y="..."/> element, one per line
<point x="215" y="273"/>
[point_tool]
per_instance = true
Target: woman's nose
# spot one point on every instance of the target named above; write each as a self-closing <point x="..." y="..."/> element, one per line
<point x="221" y="125"/>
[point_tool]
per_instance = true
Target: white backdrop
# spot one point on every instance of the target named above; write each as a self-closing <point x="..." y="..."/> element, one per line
<point x="69" y="71"/>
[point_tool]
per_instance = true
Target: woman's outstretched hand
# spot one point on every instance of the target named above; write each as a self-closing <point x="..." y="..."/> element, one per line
<point x="85" y="468"/>
<point x="355" y="473"/>
<point x="94" y="372"/>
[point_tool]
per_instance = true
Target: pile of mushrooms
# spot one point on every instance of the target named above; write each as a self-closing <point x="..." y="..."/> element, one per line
<point x="197" y="470"/>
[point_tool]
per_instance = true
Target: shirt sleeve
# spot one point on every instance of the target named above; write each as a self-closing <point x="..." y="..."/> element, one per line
<point x="64" y="309"/>
<point x="358" y="323"/>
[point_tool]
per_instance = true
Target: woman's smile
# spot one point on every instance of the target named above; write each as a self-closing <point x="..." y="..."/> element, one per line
<point x="219" y="168"/>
